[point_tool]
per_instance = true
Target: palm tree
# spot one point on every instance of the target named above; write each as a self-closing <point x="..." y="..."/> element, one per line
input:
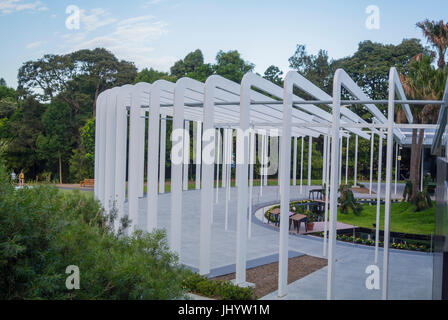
<point x="423" y="82"/>
<point x="437" y="35"/>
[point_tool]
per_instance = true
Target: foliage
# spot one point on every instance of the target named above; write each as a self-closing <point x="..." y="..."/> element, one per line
<point x="82" y="161"/>
<point x="347" y="200"/>
<point x="437" y="35"/>
<point x="43" y="231"/>
<point x="77" y="77"/>
<point x="274" y="74"/>
<point x="216" y="288"/>
<point x="55" y="143"/>
<point x="407" y="193"/>
<point x="24" y="127"/>
<point x="150" y="75"/>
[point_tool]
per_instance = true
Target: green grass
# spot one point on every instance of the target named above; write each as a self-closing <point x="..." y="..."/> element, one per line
<point x="403" y="218"/>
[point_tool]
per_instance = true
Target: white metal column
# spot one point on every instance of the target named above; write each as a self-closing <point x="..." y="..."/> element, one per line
<point x="310" y="153"/>
<point x="346" y="159"/>
<point x="162" y="158"/>
<point x="294" y="163"/>
<point x="356" y="162"/>
<point x="197" y="127"/>
<point x="372" y="139"/>
<point x="301" y="165"/>
<point x="378" y="196"/>
<point x="186" y="154"/>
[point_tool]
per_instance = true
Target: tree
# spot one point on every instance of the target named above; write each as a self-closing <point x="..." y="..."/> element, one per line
<point x="24" y="128"/>
<point x="423" y="82"/>
<point x="2" y="82"/>
<point x="82" y="161"/>
<point x="189" y="64"/>
<point x="150" y="75"/>
<point x="230" y="65"/>
<point x="56" y="141"/>
<point x="102" y="70"/>
<point x="77" y="78"/>
<point x="318" y="68"/>
<point x="274" y="74"/>
<point x="437" y="34"/>
<point x="192" y="66"/>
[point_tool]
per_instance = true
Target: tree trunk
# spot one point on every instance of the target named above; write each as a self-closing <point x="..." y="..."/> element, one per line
<point x="441" y="62"/>
<point x="60" y="170"/>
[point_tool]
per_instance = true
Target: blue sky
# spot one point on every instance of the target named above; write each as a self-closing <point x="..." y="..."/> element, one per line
<point x="155" y="33"/>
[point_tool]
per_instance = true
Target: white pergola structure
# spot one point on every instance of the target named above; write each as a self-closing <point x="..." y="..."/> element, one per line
<point x="220" y="107"/>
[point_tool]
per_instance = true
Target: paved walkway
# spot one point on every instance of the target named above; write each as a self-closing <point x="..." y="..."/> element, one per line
<point x="410" y="272"/>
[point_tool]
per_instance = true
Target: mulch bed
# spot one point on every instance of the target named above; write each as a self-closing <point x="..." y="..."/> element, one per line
<point x="266" y="277"/>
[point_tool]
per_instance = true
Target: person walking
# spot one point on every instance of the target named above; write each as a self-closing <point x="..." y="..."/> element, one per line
<point x="21" y="178"/>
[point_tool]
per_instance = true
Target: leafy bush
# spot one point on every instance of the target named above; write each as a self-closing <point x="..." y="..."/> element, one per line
<point x="43" y="231"/>
<point x="225" y="290"/>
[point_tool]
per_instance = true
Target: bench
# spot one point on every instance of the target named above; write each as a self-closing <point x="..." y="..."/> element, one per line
<point x="87" y="183"/>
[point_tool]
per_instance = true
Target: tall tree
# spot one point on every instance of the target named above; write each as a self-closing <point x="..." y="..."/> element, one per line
<point x="150" y="75"/>
<point x="423" y="82"/>
<point x="274" y="74"/>
<point x="77" y="78"/>
<point x="230" y="65"/>
<point x="318" y="68"/>
<point x="102" y="70"/>
<point x="437" y="34"/>
<point x="56" y="141"/>
<point x="24" y="128"/>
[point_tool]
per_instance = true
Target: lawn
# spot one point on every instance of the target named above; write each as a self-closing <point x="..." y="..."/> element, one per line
<point x="403" y="218"/>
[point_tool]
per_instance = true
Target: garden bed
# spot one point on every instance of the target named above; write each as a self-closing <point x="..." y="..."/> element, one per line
<point x="265" y="277"/>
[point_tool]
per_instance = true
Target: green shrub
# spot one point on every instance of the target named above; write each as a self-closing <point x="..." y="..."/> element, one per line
<point x="43" y="231"/>
<point x="225" y="290"/>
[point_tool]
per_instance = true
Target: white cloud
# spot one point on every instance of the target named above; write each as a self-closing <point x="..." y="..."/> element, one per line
<point x="131" y="39"/>
<point x="151" y="2"/>
<point x="34" y="45"/>
<point x="10" y="6"/>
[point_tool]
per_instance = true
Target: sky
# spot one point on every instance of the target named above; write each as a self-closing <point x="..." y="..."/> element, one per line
<point x="156" y="33"/>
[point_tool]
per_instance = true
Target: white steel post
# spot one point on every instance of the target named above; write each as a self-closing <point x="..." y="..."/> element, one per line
<point x="186" y="154"/>
<point x="340" y="160"/>
<point x="218" y="149"/>
<point x="421" y="169"/>
<point x="396" y="166"/>
<point x="310" y="152"/>
<point x="335" y="178"/>
<point x="224" y="157"/>
<point x="327" y="190"/>
<point x="294" y="163"/>
<point x="378" y="196"/>
<point x="153" y="155"/>
<point x="162" y="155"/>
<point x="261" y="138"/>
<point x="135" y="172"/>
<point x="120" y="151"/>
<point x="266" y="150"/>
<point x="251" y="178"/>
<point x="356" y="162"/>
<point x="197" y="125"/>
<point x="179" y="138"/>
<point x="285" y="167"/>
<point x="372" y="139"/>
<point x="301" y="165"/>
<point x="346" y="159"/>
<point x="390" y="121"/>
<point x="324" y="162"/>
<point x="109" y="178"/>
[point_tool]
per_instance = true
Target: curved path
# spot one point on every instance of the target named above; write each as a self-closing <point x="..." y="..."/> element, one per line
<point x="410" y="272"/>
